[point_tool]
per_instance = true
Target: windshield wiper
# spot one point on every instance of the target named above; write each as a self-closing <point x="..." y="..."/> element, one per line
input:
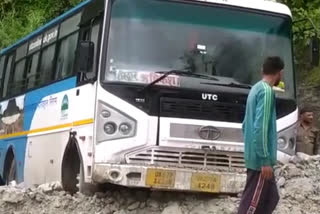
<point x="232" y="84"/>
<point x="177" y="72"/>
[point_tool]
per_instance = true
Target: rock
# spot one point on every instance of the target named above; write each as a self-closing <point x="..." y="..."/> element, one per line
<point x="303" y="157"/>
<point x="109" y="200"/>
<point x="45" y="188"/>
<point x="200" y="209"/>
<point x="106" y="210"/>
<point x="143" y="205"/>
<point x="294" y="160"/>
<point x="134" y="206"/>
<point x="283" y="192"/>
<point x="296" y="210"/>
<point x="32" y="195"/>
<point x="281" y="182"/>
<point x="120" y="212"/>
<point x="299" y="194"/>
<point x="300" y="190"/>
<point x="154" y="205"/>
<point x="281" y="209"/>
<point x="13" y="184"/>
<point x="56" y="186"/>
<point x="100" y="194"/>
<point x="39" y="197"/>
<point x="293" y="171"/>
<point x="12" y="197"/>
<point x="57" y="203"/>
<point x="172" y="209"/>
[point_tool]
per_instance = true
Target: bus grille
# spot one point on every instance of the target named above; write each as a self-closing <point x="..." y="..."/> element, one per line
<point x="208" y="110"/>
<point x="188" y="158"/>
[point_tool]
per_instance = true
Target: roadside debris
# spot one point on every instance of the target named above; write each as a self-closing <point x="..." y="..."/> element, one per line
<point x="298" y="182"/>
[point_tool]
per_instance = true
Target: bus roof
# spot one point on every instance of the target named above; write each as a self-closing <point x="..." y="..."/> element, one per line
<point x="263" y="5"/>
<point x="47" y="26"/>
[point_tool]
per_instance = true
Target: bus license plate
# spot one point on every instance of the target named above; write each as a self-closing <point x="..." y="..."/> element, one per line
<point x="205" y="182"/>
<point x="160" y="178"/>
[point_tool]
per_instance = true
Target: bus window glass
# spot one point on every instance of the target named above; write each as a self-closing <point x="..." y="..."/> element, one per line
<point x="21" y="52"/>
<point x="70" y="25"/>
<point x="18" y="82"/>
<point x="46" y="64"/>
<point x="32" y="74"/>
<point x="65" y="60"/>
<point x="1" y="73"/>
<point x="94" y="38"/>
<point x="7" y="75"/>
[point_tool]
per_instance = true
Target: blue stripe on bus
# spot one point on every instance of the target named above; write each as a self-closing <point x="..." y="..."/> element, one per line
<point x="46" y="26"/>
<point x="18" y="144"/>
<point x="33" y="98"/>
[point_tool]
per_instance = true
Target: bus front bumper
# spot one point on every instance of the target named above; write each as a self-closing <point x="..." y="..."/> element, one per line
<point x="179" y="179"/>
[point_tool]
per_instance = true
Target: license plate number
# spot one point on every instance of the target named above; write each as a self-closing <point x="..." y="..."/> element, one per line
<point x="160" y="178"/>
<point x="205" y="182"/>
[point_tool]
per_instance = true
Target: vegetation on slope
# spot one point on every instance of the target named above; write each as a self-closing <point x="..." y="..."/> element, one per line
<point x="20" y="17"/>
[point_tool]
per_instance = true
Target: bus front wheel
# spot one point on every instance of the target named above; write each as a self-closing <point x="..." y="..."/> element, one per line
<point x="73" y="171"/>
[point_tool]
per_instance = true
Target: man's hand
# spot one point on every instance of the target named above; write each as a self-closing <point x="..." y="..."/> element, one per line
<point x="266" y="172"/>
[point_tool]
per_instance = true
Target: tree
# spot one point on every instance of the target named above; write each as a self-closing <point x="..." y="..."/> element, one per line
<point x="306" y="17"/>
<point x="18" y="18"/>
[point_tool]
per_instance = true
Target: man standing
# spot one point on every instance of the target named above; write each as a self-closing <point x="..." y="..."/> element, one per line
<point x="260" y="195"/>
<point x="308" y="135"/>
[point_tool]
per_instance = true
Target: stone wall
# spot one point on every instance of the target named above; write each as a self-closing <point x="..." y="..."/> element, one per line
<point x="310" y="96"/>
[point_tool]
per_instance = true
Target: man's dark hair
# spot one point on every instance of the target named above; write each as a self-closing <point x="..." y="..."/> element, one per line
<point x="305" y="109"/>
<point x="272" y="65"/>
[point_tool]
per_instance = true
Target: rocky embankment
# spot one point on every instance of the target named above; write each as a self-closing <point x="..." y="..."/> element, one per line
<point x="298" y="181"/>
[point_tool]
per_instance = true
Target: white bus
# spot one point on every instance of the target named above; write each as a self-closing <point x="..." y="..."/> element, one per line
<point x="142" y="93"/>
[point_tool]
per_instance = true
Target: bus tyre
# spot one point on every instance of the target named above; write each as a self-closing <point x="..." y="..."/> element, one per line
<point x="12" y="172"/>
<point x="73" y="171"/>
<point x="10" y="168"/>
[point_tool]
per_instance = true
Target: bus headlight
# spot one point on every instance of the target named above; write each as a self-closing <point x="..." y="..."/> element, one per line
<point x="113" y="124"/>
<point x="125" y="128"/>
<point x="110" y="128"/>
<point x="105" y="113"/>
<point x="282" y="143"/>
<point x="287" y="140"/>
<point x="292" y="144"/>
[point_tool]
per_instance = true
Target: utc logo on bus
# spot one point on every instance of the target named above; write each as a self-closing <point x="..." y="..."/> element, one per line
<point x="206" y="96"/>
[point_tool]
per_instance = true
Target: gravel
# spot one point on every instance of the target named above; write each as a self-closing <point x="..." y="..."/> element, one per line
<point x="298" y="182"/>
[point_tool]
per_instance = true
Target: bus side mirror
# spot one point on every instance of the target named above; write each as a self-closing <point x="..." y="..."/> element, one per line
<point x="85" y="55"/>
<point x="314" y="49"/>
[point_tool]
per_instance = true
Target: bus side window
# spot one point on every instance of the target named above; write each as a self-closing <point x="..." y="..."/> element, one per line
<point x="94" y="37"/>
<point x="1" y="74"/>
<point x="46" y="64"/>
<point x="66" y="56"/>
<point x="33" y="76"/>
<point x="91" y="33"/>
<point x="8" y="66"/>
<point x="17" y="82"/>
<point x="21" y="52"/>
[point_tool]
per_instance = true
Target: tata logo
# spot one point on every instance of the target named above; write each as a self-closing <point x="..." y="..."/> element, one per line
<point x="209" y="133"/>
<point x="206" y="96"/>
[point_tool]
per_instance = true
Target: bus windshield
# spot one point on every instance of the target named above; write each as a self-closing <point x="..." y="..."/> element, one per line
<point x="149" y="37"/>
